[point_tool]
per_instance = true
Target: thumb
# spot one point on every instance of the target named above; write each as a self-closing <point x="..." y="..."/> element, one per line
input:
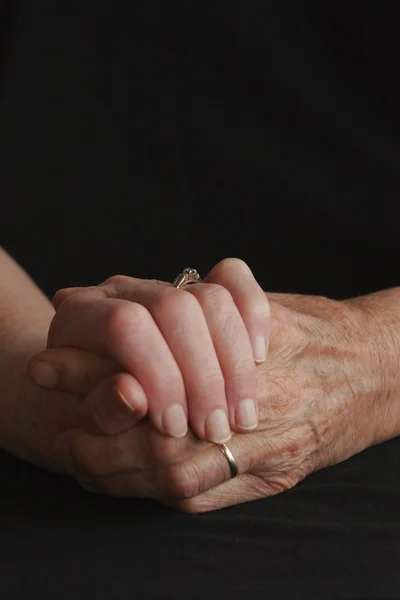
<point x="70" y="370"/>
<point x="115" y="405"/>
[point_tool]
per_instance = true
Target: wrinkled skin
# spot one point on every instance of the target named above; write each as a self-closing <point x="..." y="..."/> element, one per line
<point x="324" y="393"/>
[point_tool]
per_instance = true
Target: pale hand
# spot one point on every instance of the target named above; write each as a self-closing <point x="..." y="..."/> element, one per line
<point x="182" y="356"/>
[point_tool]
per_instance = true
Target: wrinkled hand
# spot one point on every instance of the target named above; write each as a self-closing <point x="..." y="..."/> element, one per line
<point x="322" y="396"/>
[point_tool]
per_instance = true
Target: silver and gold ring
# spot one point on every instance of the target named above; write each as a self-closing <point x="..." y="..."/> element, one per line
<point x="187" y="276"/>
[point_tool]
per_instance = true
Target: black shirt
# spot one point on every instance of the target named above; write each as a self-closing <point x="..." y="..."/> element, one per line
<point x="140" y="138"/>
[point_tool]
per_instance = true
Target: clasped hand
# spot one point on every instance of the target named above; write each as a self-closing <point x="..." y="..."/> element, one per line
<point x="163" y="372"/>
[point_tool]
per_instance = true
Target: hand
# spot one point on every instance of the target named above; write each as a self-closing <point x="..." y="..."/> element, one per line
<point x="325" y="393"/>
<point x="190" y="355"/>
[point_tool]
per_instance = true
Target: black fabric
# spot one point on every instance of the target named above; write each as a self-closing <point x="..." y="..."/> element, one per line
<point x="140" y="138"/>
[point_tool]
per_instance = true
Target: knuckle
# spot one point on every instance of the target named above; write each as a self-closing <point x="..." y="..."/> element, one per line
<point x="183" y="482"/>
<point x="167" y="450"/>
<point x="174" y="301"/>
<point x="60" y="317"/>
<point x="214" y="295"/>
<point x="84" y="458"/>
<point x="164" y="450"/>
<point x="231" y="265"/>
<point x="88" y="459"/>
<point x="116" y="280"/>
<point x="164" y="301"/>
<point x="60" y="296"/>
<point x="212" y="386"/>
<point x="114" y="286"/>
<point x="64" y="293"/>
<point x="124" y="317"/>
<point x="66" y="305"/>
<point x="72" y="302"/>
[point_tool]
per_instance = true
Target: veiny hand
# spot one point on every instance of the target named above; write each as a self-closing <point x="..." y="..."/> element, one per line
<point x="325" y="393"/>
<point x="178" y="355"/>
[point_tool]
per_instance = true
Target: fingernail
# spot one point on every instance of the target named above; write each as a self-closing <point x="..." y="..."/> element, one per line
<point x="43" y="374"/>
<point x="124" y="409"/>
<point x="259" y="349"/>
<point x="175" y="422"/>
<point x="111" y="413"/>
<point x="246" y="414"/>
<point x="217" y="427"/>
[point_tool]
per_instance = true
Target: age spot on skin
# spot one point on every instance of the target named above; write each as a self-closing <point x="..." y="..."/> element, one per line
<point x="294" y="450"/>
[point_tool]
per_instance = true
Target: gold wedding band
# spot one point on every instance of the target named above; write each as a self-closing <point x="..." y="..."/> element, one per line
<point x="230" y="458"/>
<point x="187" y="276"/>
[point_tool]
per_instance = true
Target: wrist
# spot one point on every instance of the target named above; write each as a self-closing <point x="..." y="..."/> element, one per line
<point x="14" y="381"/>
<point x="33" y="419"/>
<point x="382" y="317"/>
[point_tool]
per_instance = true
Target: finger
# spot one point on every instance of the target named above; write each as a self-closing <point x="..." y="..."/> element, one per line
<point x="182" y="323"/>
<point x="236" y="276"/>
<point x="125" y="331"/>
<point x="115" y="405"/>
<point x="65" y="293"/>
<point x="230" y="493"/>
<point x="190" y="346"/>
<point x="174" y="483"/>
<point x="117" y="286"/>
<point x="234" y="351"/>
<point x="128" y="288"/>
<point x="181" y="320"/>
<point x="137" y="449"/>
<point x="245" y="488"/>
<point x="70" y="370"/>
<point x="93" y="293"/>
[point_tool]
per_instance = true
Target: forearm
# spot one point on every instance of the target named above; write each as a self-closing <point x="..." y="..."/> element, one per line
<point x="25" y="316"/>
<point x="383" y="321"/>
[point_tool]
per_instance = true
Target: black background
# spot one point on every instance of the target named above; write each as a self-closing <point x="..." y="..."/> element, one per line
<point x="143" y="138"/>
